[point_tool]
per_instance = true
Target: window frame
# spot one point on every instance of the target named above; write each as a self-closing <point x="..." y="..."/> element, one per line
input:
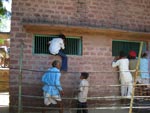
<point x="130" y="41"/>
<point x="80" y="50"/>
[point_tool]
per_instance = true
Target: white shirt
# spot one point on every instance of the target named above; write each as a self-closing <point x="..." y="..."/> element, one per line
<point x="55" y="45"/>
<point x="83" y="88"/>
<point x="123" y="65"/>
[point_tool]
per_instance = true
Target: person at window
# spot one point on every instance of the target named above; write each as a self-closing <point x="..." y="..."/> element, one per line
<point x="52" y="87"/>
<point x="145" y="77"/>
<point x="56" y="45"/>
<point x="83" y="92"/>
<point x="125" y="76"/>
<point x="132" y="64"/>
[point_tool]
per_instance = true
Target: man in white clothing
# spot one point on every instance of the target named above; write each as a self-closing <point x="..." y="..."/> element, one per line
<point x="125" y="76"/>
<point x="55" y="47"/>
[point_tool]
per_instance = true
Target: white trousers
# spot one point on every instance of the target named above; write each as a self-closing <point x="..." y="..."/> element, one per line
<point x="126" y="88"/>
<point x="48" y="99"/>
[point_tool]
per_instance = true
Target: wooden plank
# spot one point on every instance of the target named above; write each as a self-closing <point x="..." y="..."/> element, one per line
<point x="4" y="35"/>
<point x="4" y="80"/>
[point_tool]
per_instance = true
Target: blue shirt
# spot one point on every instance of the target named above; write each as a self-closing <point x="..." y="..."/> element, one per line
<point x="144" y="68"/>
<point x="51" y="79"/>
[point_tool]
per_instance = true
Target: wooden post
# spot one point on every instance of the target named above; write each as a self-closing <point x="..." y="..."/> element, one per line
<point x="20" y="79"/>
<point x="135" y="77"/>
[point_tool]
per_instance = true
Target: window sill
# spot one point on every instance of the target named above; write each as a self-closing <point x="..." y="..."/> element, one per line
<point x="79" y="30"/>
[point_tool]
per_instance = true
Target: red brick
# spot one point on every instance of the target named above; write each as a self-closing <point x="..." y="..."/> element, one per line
<point x="16" y="29"/>
<point x="18" y="35"/>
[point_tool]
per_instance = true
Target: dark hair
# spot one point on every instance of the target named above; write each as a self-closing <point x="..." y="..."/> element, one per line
<point x="131" y="57"/>
<point x="85" y="75"/>
<point x="144" y="55"/>
<point x="122" y="54"/>
<point x="55" y="62"/>
<point x="62" y="36"/>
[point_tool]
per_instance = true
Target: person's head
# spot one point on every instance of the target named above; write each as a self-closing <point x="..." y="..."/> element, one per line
<point x="132" y="54"/>
<point x="144" y="55"/>
<point x="122" y="54"/>
<point x="56" y="63"/>
<point x="62" y="36"/>
<point x="84" y="75"/>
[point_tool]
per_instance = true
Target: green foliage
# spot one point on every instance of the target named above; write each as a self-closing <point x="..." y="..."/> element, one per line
<point x="3" y="10"/>
<point x="1" y="41"/>
<point x="5" y="15"/>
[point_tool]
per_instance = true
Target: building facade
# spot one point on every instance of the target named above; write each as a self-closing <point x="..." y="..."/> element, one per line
<point x="97" y="26"/>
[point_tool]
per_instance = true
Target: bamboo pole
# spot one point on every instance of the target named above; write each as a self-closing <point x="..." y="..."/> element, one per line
<point x="135" y="77"/>
<point x="20" y="79"/>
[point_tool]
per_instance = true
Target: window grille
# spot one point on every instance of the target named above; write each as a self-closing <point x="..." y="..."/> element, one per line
<point x="126" y="46"/>
<point x="73" y="45"/>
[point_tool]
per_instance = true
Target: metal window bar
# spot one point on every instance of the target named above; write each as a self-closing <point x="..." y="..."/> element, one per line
<point x="41" y="44"/>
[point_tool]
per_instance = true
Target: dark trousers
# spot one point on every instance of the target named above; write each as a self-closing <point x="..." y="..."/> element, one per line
<point x="64" y="65"/>
<point x="82" y="105"/>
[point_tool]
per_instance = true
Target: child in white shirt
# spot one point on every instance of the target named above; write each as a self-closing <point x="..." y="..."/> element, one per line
<point x="83" y="93"/>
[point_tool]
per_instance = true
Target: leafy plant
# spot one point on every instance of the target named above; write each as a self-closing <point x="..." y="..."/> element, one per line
<point x="3" y="10"/>
<point x="5" y="15"/>
<point x="1" y="41"/>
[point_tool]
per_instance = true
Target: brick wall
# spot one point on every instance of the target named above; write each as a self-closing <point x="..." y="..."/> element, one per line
<point x="130" y="15"/>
